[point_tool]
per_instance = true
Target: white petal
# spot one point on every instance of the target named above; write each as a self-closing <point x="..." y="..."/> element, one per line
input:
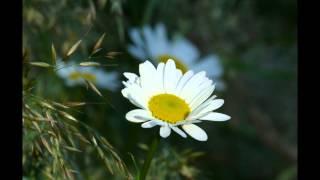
<point x="170" y="76"/>
<point x="132" y="79"/>
<point x="126" y="83"/>
<point x="179" y="131"/>
<point x="125" y="92"/>
<point x="179" y="75"/>
<point x="138" y="116"/>
<point x="137" y="101"/>
<point x="196" y="93"/>
<point x="183" y="81"/>
<point x="214" y="116"/>
<point x="165" y="131"/>
<point x="187" y="122"/>
<point x="147" y="72"/>
<point x="192" y="85"/>
<point x="215" y="104"/>
<point x="205" y="94"/>
<point x="158" y="78"/>
<point x="149" y="124"/>
<point x="194" y="113"/>
<point x="206" y="108"/>
<point x="146" y="69"/>
<point x="135" y="93"/>
<point x="130" y="76"/>
<point x="195" y="131"/>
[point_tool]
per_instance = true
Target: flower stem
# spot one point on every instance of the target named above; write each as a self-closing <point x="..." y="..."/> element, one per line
<point x="147" y="162"/>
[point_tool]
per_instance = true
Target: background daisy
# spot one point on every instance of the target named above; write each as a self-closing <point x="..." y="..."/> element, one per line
<point x="154" y="44"/>
<point x="74" y="74"/>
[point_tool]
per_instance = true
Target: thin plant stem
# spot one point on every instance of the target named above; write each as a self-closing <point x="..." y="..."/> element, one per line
<point x="147" y="162"/>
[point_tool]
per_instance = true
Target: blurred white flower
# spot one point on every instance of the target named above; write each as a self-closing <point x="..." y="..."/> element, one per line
<point x="154" y="44"/>
<point x="73" y="74"/>
<point x="170" y="99"/>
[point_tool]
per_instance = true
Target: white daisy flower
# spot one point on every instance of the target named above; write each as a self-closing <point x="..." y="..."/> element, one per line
<point x="169" y="99"/>
<point x="154" y="44"/>
<point x="73" y="74"/>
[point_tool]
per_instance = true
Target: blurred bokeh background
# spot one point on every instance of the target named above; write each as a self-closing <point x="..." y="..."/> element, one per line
<point x="256" y="42"/>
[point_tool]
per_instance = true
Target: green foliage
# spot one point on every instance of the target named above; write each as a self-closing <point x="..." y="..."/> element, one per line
<point x="54" y="142"/>
<point x="173" y="164"/>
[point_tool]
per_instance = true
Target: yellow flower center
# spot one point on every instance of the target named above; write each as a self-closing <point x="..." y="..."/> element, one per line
<point x="179" y="64"/>
<point x="169" y="108"/>
<point x="79" y="75"/>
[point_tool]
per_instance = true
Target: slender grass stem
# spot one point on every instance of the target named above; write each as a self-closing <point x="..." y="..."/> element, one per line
<point x="147" y="162"/>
